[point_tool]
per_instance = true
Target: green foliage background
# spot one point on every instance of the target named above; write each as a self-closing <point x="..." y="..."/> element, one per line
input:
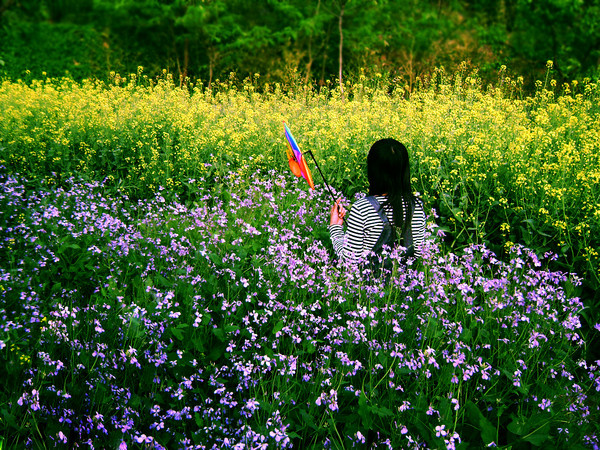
<point x="287" y="39"/>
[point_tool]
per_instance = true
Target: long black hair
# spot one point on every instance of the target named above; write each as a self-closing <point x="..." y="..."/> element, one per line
<point x="388" y="172"/>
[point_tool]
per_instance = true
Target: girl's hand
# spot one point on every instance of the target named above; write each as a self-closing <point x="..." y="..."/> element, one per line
<point x="337" y="213"/>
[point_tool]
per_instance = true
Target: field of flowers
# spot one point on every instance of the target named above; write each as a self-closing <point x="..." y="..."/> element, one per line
<point x="498" y="167"/>
<point x="166" y="283"/>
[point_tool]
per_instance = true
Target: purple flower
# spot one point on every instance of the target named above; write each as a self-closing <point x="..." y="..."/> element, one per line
<point x="440" y="431"/>
<point x="360" y="438"/>
<point x="545" y="404"/>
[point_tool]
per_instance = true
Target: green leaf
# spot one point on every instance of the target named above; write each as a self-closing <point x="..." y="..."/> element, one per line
<point x="216" y="352"/>
<point x="538" y="437"/>
<point x="135" y="401"/>
<point x="229" y="328"/>
<point x="135" y="329"/>
<point x="476" y="417"/>
<point x="278" y="326"/>
<point x="242" y="253"/>
<point x="177" y="333"/>
<point x="309" y="347"/>
<point x="364" y="411"/>
<point x="9" y="418"/>
<point x="537" y="429"/>
<point x="216" y="259"/>
<point x="198" y="345"/>
<point x="381" y="411"/>
<point x="308" y="419"/>
<point x="466" y="335"/>
<point x="515" y="427"/>
<point x="56" y="287"/>
<point x="219" y="333"/>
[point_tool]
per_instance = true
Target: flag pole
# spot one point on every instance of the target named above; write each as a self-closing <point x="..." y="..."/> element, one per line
<point x="322" y="176"/>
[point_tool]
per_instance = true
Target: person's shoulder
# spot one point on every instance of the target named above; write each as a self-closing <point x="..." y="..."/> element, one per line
<point x="417" y="200"/>
<point x="363" y="205"/>
<point x="362" y="202"/>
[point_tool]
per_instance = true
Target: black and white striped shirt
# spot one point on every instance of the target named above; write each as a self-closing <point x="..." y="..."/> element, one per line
<point x="364" y="227"/>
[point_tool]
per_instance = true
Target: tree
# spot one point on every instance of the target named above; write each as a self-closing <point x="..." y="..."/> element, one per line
<point x="357" y="13"/>
<point x="527" y="34"/>
<point x="282" y="38"/>
<point x="210" y="27"/>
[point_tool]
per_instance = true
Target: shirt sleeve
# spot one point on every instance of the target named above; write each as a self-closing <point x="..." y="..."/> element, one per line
<point x="348" y="246"/>
<point x="418" y="227"/>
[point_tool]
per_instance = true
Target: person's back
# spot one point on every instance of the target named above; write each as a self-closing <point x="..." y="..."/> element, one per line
<point x="390" y="205"/>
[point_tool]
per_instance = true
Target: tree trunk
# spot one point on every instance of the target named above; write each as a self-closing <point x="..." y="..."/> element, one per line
<point x="341" y="49"/>
<point x="310" y="55"/>
<point x="324" y="62"/>
<point x="211" y="59"/>
<point x="308" y="67"/>
<point x="186" y="61"/>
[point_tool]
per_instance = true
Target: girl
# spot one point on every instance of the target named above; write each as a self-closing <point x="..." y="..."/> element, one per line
<point x="390" y="202"/>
